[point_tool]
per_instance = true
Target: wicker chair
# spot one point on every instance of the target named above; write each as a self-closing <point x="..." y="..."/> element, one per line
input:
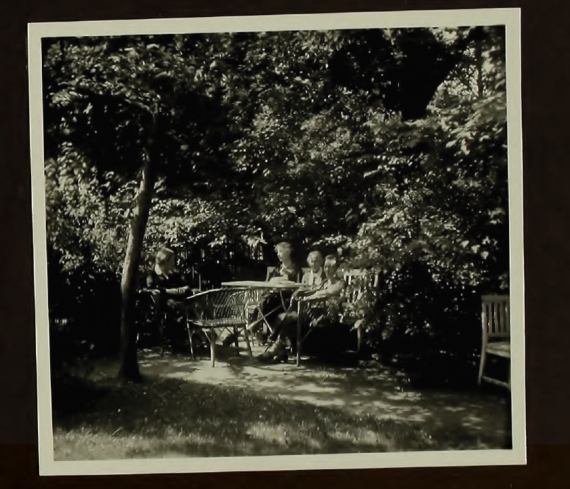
<point x="216" y="310"/>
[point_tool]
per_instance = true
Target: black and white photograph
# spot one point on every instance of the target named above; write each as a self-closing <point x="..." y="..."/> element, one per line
<point x="278" y="242"/>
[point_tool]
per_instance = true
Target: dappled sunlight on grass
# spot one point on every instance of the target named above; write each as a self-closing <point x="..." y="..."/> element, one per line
<point x="206" y="420"/>
<point x="187" y="408"/>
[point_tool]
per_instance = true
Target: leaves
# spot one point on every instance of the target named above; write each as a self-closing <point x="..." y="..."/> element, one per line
<point x="321" y="138"/>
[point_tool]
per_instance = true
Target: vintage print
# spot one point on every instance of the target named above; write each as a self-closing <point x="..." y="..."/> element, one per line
<point x="273" y="244"/>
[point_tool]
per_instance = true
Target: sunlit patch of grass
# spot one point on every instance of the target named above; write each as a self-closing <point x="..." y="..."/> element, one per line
<point x="176" y="413"/>
<point x="364" y="437"/>
<point x="173" y="416"/>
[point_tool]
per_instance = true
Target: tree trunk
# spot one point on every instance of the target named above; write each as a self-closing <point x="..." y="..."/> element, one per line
<point x="129" y="369"/>
<point x="479" y="61"/>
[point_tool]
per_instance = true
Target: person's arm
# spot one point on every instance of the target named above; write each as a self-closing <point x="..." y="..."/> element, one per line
<point x="178" y="286"/>
<point x="273" y="274"/>
<point x="332" y="290"/>
<point x="313" y="293"/>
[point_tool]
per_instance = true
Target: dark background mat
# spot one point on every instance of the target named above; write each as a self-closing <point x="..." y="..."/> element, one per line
<point x="546" y="81"/>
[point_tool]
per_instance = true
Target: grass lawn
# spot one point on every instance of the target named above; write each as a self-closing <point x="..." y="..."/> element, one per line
<point x="186" y="408"/>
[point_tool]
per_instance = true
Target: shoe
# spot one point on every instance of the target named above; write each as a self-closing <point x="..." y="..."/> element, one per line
<point x="272" y="338"/>
<point x="229" y="340"/>
<point x="280" y="358"/>
<point x="266" y="357"/>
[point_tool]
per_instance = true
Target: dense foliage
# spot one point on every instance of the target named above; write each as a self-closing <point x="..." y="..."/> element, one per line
<point x="388" y="143"/>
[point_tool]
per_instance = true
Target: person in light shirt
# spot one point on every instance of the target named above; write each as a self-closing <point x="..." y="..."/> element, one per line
<point x="316" y="275"/>
<point x="285" y="330"/>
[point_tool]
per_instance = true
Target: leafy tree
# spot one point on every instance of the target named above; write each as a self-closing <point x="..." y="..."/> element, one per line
<point x="322" y="138"/>
<point x="123" y="104"/>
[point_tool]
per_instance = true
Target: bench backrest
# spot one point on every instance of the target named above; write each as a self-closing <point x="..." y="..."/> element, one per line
<point x="356" y="282"/>
<point x="495" y="318"/>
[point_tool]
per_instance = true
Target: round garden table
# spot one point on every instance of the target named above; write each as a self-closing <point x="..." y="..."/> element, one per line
<point x="258" y="285"/>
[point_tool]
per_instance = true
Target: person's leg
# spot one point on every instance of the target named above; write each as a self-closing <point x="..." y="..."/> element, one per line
<point x="287" y="336"/>
<point x="270" y="308"/>
<point x="285" y="320"/>
<point x="277" y="326"/>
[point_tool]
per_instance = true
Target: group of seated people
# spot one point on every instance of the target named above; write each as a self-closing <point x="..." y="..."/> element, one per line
<point x="322" y="281"/>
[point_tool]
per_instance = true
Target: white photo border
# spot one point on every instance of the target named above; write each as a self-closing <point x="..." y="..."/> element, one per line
<point x="510" y="18"/>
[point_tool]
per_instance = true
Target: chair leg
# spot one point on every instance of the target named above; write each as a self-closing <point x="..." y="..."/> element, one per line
<point x="299" y="340"/>
<point x="190" y="333"/>
<point x="211" y="335"/>
<point x="161" y="335"/>
<point x="213" y="351"/>
<point x="191" y="341"/>
<point x="236" y="340"/>
<point x="248" y="343"/>
<point x="481" y="366"/>
<point x="192" y="347"/>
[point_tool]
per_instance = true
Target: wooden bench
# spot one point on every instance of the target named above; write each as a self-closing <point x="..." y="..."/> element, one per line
<point x="357" y="282"/>
<point x="496" y="333"/>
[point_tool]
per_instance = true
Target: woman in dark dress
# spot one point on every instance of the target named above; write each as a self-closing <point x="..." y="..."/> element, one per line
<point x="167" y="284"/>
<point x="168" y="287"/>
<point x="272" y="302"/>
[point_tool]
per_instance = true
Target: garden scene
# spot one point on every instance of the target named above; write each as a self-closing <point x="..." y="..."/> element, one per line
<point x="235" y="156"/>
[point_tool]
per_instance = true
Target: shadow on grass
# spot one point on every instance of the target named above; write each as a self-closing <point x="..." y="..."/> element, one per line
<point x="186" y="418"/>
<point x="186" y="408"/>
<point x="470" y="417"/>
<point x="456" y="420"/>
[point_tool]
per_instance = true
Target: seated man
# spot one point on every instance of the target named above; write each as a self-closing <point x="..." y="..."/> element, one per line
<point x="316" y="275"/>
<point x="286" y="324"/>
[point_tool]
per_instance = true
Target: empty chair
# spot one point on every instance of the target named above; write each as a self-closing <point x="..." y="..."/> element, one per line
<point x="495" y="323"/>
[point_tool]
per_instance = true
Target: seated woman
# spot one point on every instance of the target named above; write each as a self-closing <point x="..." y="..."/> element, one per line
<point x="313" y="278"/>
<point x="272" y="302"/>
<point x="286" y="325"/>
<point x="287" y="270"/>
<point x="167" y="286"/>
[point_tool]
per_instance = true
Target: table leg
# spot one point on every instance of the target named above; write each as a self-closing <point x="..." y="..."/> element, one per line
<point x="236" y="342"/>
<point x="299" y="340"/>
<point x="190" y="335"/>
<point x="211" y="335"/>
<point x="262" y="319"/>
<point x="246" y="334"/>
<point x="282" y="300"/>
